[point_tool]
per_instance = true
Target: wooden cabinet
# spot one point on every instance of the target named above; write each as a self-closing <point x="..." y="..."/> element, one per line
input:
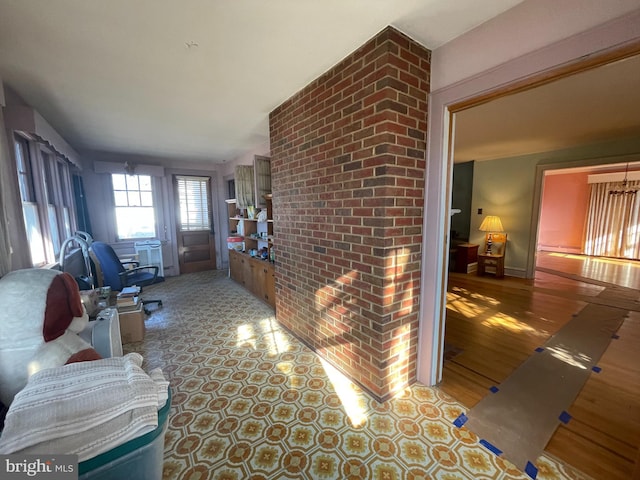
<point x="266" y="279"/>
<point x="466" y="255"/>
<point x="255" y="274"/>
<point x="236" y="271"/>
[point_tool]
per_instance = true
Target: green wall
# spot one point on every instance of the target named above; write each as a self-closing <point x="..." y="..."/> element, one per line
<point x="506" y="188"/>
<point x="461" y="198"/>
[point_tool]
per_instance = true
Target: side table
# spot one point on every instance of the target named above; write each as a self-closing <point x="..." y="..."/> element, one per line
<point x="495" y="263"/>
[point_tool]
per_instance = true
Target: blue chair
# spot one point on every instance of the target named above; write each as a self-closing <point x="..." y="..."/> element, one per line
<point x="116" y="276"/>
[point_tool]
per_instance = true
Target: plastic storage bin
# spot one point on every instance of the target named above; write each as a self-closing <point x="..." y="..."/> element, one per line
<point x="235" y="243"/>
<point x="141" y="458"/>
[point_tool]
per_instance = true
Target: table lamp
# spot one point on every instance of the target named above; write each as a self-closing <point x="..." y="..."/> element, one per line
<point x="491" y="223"/>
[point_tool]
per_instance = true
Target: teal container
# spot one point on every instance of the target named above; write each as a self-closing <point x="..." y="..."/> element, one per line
<point x="141" y="458"/>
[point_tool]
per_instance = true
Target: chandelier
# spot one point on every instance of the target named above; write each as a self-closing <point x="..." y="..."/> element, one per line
<point x="624" y="188"/>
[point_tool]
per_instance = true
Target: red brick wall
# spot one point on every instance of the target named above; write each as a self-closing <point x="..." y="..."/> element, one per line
<point x="348" y="163"/>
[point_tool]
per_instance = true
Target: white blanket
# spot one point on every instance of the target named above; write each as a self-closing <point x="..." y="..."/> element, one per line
<point x="84" y="408"/>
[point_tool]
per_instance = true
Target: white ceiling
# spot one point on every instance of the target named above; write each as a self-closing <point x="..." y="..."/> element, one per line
<point x="194" y="79"/>
<point x="594" y="106"/>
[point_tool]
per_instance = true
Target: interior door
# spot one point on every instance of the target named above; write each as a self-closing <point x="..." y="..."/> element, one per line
<point x="195" y="235"/>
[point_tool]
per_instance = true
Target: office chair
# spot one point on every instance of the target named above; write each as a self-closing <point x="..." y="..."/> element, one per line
<point x="116" y="276"/>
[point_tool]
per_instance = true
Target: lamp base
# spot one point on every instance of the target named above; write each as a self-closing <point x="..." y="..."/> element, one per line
<point x="489" y="243"/>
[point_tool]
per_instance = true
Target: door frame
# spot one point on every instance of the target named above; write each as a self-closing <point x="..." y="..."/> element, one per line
<point x="577" y="53"/>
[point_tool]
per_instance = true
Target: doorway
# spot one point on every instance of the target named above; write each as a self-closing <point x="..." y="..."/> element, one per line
<point x="495" y="325"/>
<point x="566" y="207"/>
<point x="194" y="223"/>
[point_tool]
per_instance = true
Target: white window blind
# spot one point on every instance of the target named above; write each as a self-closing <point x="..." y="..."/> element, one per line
<point x="193" y="194"/>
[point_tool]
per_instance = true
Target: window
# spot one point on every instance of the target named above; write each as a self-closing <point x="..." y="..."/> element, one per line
<point x="30" y="211"/>
<point x="52" y="190"/>
<point x="65" y="197"/>
<point x="133" y="198"/>
<point x="193" y="196"/>
<point x="47" y="205"/>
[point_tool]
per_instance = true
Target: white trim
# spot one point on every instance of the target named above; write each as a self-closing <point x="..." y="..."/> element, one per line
<point x="433" y="294"/>
<point x="612" y="177"/>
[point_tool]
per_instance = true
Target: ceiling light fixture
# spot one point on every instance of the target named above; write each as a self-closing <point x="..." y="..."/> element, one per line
<point x="130" y="168"/>
<point x="625" y="189"/>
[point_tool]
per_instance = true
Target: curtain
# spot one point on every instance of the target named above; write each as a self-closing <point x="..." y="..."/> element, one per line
<point x="613" y="222"/>
<point x="244" y="186"/>
<point x="5" y="188"/>
<point x="82" y="211"/>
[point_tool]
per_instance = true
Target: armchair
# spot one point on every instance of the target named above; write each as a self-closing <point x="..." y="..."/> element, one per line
<point x="116" y="276"/>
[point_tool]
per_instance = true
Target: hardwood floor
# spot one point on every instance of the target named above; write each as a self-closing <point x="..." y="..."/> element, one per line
<point x="493" y="325"/>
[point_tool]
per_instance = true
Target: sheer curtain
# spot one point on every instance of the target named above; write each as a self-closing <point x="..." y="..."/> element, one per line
<point x="613" y="222"/>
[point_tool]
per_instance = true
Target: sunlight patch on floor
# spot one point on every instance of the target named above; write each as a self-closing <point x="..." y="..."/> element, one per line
<point x="352" y="399"/>
<point x="275" y="338"/>
<point x="476" y="296"/>
<point x="464" y="306"/>
<point x="579" y="360"/>
<point x="502" y="320"/>
<point x="285" y="367"/>
<point x="246" y="334"/>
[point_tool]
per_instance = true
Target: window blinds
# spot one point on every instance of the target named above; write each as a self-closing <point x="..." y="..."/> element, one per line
<point x="194" y="204"/>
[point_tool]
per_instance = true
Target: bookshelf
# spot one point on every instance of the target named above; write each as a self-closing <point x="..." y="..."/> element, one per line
<point x="253" y="272"/>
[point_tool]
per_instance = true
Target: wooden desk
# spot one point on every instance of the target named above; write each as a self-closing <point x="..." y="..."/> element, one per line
<point x="494" y="262"/>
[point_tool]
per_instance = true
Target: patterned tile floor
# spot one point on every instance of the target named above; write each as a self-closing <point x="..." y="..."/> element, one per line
<point x="250" y="401"/>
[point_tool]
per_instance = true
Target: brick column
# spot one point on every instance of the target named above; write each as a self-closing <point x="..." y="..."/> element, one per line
<point x="348" y="163"/>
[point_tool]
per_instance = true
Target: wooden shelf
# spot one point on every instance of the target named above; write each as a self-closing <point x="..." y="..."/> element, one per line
<point x="254" y="273"/>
